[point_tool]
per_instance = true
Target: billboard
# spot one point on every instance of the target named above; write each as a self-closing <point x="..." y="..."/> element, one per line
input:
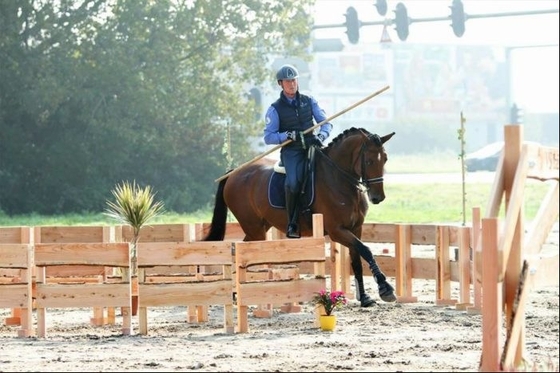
<point x="432" y="82"/>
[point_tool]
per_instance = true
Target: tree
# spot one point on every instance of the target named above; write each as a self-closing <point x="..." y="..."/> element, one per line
<point x="97" y="92"/>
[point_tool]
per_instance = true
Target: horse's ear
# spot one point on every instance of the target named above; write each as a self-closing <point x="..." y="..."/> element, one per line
<point x="386" y="138"/>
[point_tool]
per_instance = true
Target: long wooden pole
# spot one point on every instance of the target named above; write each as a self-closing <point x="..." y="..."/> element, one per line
<point x="306" y="131"/>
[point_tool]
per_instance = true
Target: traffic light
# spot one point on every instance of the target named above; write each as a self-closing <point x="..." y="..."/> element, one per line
<point x="352" y="25"/>
<point x="381" y="6"/>
<point x="402" y="21"/>
<point x="516" y="115"/>
<point x="458" y="18"/>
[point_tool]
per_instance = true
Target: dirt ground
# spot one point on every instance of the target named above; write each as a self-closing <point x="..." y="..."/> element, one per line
<point x="413" y="337"/>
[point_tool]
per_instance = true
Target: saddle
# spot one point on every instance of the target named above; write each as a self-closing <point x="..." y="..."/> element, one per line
<point x="276" y="191"/>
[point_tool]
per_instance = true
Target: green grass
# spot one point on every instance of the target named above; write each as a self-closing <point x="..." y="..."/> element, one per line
<point x="404" y="203"/>
<point x="437" y="162"/>
<point x="443" y="203"/>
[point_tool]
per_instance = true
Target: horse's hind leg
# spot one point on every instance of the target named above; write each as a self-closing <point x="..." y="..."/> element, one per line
<point x="361" y="295"/>
<point x="255" y="231"/>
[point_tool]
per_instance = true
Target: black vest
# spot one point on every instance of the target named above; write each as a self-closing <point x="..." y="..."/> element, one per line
<point x="294" y="117"/>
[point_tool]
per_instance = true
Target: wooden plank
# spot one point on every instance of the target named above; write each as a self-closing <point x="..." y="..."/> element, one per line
<point x="403" y="261"/>
<point x="423" y="234"/>
<point x="513" y="218"/>
<point x="308" y="249"/>
<point x="443" y="276"/>
<point x="497" y="191"/>
<point x="14" y="256"/>
<point x="67" y="234"/>
<point x="171" y="232"/>
<point x="378" y="232"/>
<point x="476" y="249"/>
<point x="74" y="270"/>
<point x="544" y="162"/>
<point x="516" y="163"/>
<point x="491" y="298"/>
<point x="20" y="234"/>
<point x="543" y="222"/>
<point x="14" y="295"/>
<point x="255" y="293"/>
<point x="199" y="293"/>
<point x="464" y="266"/>
<point x="79" y="295"/>
<point x="82" y="254"/>
<point x="184" y="253"/>
<point x="515" y="333"/>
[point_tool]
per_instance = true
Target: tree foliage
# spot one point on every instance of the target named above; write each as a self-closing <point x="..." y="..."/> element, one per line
<point x="96" y="92"/>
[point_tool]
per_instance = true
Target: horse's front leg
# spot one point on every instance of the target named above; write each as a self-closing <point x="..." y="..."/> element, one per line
<point x="361" y="295"/>
<point x="386" y="291"/>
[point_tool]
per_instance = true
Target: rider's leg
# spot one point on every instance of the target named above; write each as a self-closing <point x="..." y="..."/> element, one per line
<point x="294" y="162"/>
<point x="292" y="230"/>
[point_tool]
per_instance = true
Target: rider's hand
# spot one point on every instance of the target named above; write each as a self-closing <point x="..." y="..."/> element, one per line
<point x="314" y="140"/>
<point x="292" y="135"/>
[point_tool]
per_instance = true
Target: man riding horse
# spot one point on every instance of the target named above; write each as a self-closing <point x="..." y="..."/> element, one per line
<point x="288" y="118"/>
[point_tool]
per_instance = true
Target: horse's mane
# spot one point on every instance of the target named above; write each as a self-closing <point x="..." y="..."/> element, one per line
<point x="348" y="132"/>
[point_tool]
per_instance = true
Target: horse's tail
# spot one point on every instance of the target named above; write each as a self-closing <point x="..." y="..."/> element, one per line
<point x="217" y="230"/>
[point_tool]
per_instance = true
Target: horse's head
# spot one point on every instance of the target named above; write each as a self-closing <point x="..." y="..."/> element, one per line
<point x="362" y="155"/>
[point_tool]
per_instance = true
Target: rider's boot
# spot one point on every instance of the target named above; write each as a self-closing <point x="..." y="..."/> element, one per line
<point x="292" y="209"/>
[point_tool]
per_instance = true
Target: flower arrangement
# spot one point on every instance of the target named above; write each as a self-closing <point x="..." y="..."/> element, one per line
<point x="329" y="300"/>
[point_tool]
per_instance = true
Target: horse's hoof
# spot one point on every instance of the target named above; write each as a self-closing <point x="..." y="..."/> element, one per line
<point x="367" y="301"/>
<point x="387" y="293"/>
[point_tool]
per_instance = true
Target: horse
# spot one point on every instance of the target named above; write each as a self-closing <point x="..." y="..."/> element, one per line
<point x="345" y="175"/>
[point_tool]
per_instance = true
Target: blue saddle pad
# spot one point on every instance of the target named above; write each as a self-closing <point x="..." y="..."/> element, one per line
<point x="277" y="194"/>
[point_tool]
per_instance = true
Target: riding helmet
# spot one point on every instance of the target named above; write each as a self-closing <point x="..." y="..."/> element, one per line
<point x="287" y="72"/>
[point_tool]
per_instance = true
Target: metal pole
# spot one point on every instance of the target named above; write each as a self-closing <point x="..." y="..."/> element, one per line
<point x="446" y="18"/>
<point x="306" y="131"/>
<point x="462" y="137"/>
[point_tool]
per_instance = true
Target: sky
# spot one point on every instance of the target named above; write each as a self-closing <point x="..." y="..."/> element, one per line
<point x="533" y="39"/>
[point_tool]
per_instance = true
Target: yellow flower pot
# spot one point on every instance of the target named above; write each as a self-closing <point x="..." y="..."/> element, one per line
<point x="327" y="323"/>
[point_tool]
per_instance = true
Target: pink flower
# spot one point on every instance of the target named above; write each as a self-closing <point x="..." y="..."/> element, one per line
<point x="329" y="300"/>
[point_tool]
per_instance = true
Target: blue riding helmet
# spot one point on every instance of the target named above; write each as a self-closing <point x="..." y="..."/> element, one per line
<point x="287" y="72"/>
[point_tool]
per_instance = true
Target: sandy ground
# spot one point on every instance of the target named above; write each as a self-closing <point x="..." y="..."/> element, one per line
<point x="394" y="337"/>
<point x="387" y="337"/>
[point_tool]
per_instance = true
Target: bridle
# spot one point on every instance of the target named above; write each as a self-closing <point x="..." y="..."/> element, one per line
<point x="364" y="180"/>
<point x="362" y="183"/>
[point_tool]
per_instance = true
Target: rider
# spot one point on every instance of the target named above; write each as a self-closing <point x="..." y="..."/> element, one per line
<point x="286" y="119"/>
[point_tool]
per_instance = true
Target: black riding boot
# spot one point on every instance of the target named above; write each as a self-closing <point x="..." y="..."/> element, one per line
<point x="292" y="209"/>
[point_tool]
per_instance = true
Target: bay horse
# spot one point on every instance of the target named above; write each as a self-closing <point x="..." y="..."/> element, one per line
<point x="347" y="173"/>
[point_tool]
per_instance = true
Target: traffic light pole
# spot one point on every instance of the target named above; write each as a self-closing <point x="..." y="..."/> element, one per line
<point x="448" y="18"/>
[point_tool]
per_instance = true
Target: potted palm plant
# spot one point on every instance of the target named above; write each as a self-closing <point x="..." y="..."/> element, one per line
<point x="135" y="207"/>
